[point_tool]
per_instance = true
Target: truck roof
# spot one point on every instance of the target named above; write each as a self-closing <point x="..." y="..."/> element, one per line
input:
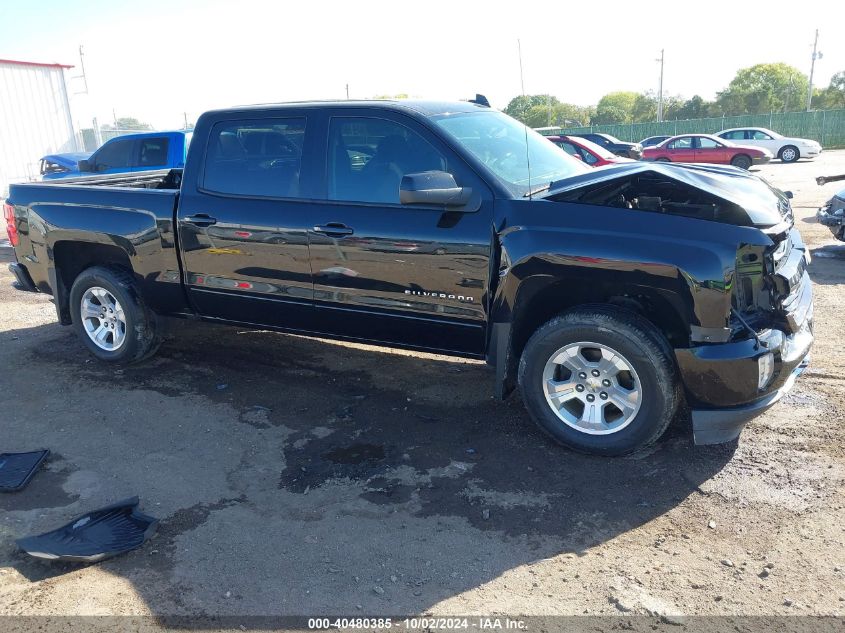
<point x="424" y="107"/>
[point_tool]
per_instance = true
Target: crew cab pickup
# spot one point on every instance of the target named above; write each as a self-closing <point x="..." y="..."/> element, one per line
<point x="611" y="297"/>
<point x="144" y="151"/>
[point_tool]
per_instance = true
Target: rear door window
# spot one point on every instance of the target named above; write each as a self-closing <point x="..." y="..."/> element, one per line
<point x="153" y="152"/>
<point x="255" y="158"/>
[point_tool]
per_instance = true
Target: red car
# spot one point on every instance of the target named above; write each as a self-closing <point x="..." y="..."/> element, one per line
<point x="704" y="148"/>
<point x="587" y="151"/>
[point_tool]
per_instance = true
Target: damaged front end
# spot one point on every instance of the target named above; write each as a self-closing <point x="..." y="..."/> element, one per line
<point x="832" y="215"/>
<point x="747" y="362"/>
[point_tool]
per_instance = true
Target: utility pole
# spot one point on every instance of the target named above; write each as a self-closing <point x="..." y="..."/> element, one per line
<point x="660" y="90"/>
<point x="347" y="92"/>
<point x="816" y="55"/>
<point x="185" y="114"/>
<point x="549" y="107"/>
<point x="82" y="76"/>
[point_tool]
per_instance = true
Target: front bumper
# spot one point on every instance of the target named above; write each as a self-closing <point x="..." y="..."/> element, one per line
<point x="761" y="160"/>
<point x="722" y="380"/>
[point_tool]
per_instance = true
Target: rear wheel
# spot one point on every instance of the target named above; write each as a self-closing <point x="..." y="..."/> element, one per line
<point x="789" y="154"/>
<point x="742" y="161"/>
<point x="599" y="380"/>
<point x="662" y="159"/>
<point x="110" y="317"/>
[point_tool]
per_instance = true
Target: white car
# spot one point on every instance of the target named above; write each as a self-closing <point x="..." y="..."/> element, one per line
<point x="786" y="148"/>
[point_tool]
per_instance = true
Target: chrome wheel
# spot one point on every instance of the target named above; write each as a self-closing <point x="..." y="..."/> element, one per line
<point x="788" y="154"/>
<point x="103" y="318"/>
<point x="592" y="388"/>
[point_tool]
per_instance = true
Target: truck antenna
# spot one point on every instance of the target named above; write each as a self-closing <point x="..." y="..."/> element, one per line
<point x="522" y="84"/>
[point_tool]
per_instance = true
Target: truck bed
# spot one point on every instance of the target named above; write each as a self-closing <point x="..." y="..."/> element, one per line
<point x="154" y="179"/>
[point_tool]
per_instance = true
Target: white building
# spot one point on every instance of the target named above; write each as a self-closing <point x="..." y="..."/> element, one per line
<point x="35" y="118"/>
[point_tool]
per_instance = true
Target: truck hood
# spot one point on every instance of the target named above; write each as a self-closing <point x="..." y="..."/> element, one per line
<point x="754" y="201"/>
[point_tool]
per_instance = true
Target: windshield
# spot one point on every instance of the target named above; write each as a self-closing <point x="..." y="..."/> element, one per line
<point x="504" y="145"/>
<point x="612" y="139"/>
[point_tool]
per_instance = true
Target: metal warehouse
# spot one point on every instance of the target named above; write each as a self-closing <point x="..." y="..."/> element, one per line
<point x="35" y="118"/>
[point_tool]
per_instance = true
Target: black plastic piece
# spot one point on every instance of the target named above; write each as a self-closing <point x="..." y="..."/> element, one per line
<point x="16" y="469"/>
<point x="101" y="534"/>
<point x="22" y="279"/>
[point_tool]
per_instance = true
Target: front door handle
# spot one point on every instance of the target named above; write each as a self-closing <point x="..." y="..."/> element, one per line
<point x="200" y="219"/>
<point x="334" y="229"/>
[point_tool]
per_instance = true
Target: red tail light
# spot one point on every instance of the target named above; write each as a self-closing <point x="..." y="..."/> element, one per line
<point x="11" y="229"/>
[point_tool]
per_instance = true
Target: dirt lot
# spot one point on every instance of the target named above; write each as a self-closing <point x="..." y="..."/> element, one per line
<point x="296" y="476"/>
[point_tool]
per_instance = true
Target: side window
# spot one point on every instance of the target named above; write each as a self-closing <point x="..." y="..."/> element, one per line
<point x="255" y="158"/>
<point x="734" y="135"/>
<point x="707" y="143"/>
<point x="588" y="157"/>
<point x="569" y="148"/>
<point x="114" y="155"/>
<point x="757" y="135"/>
<point x="685" y="142"/>
<point x="368" y="157"/>
<point x="153" y="152"/>
<point x="49" y="167"/>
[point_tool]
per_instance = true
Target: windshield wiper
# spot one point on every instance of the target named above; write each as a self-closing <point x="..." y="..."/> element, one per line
<point x="534" y="192"/>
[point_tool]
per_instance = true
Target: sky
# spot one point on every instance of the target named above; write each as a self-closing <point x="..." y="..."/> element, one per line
<point x="162" y="61"/>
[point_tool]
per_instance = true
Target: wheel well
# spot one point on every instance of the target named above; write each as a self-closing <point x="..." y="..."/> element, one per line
<point x="741" y="156"/>
<point x="780" y="152"/>
<point x="560" y="297"/>
<point x="71" y="258"/>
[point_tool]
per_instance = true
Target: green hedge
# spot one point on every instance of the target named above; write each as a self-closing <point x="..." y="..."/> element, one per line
<point x="825" y="126"/>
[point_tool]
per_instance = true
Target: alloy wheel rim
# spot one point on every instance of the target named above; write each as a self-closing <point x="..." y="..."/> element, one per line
<point x="592" y="388"/>
<point x="788" y="154"/>
<point x="103" y="318"/>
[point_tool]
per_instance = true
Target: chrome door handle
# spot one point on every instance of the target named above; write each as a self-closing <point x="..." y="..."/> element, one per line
<point x="200" y="219"/>
<point x="334" y="229"/>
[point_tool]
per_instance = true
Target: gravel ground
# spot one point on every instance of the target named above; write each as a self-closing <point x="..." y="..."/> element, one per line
<point x="298" y="476"/>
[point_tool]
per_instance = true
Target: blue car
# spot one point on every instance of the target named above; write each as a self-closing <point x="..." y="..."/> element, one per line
<point x="128" y="153"/>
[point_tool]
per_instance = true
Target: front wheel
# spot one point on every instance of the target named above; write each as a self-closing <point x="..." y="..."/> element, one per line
<point x="789" y="154"/>
<point x="110" y="316"/>
<point x="600" y="380"/>
<point x="661" y="160"/>
<point x="742" y="161"/>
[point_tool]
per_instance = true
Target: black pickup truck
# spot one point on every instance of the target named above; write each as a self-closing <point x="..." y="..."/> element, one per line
<point x="611" y="297"/>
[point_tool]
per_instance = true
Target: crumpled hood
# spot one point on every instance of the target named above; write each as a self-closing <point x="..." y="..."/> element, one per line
<point x="764" y="205"/>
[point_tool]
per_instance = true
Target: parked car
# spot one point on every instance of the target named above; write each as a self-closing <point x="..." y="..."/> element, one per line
<point x="703" y="148"/>
<point x="587" y="151"/>
<point x="608" y="296"/>
<point x="787" y="149"/>
<point x="832" y="215"/>
<point x="651" y="141"/>
<point x="613" y="144"/>
<point x="52" y="165"/>
<point x="133" y="152"/>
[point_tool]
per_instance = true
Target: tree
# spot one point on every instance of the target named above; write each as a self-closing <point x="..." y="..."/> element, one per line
<point x="127" y="123"/>
<point x="833" y="96"/>
<point x="518" y="107"/>
<point x="615" y="107"/>
<point x="764" y="88"/>
<point x="694" y="108"/>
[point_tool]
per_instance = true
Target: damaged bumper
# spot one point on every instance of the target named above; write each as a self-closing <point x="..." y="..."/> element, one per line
<point x="22" y="279"/>
<point x="832" y="215"/>
<point x="729" y="384"/>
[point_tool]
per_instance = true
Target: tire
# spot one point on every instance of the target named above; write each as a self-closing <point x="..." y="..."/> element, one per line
<point x="789" y="154"/>
<point x="105" y="305"/>
<point x="631" y="341"/>
<point x="743" y="161"/>
<point x="662" y="159"/>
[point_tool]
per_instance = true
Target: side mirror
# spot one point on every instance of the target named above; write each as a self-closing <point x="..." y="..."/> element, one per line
<point x="433" y="187"/>
<point x="85" y="165"/>
<point x="788" y="194"/>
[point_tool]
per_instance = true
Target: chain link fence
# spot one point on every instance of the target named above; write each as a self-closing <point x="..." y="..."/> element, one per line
<point x="825" y="126"/>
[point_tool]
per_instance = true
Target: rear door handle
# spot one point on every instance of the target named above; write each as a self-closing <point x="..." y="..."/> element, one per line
<point x="335" y="229"/>
<point x="200" y="219"/>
